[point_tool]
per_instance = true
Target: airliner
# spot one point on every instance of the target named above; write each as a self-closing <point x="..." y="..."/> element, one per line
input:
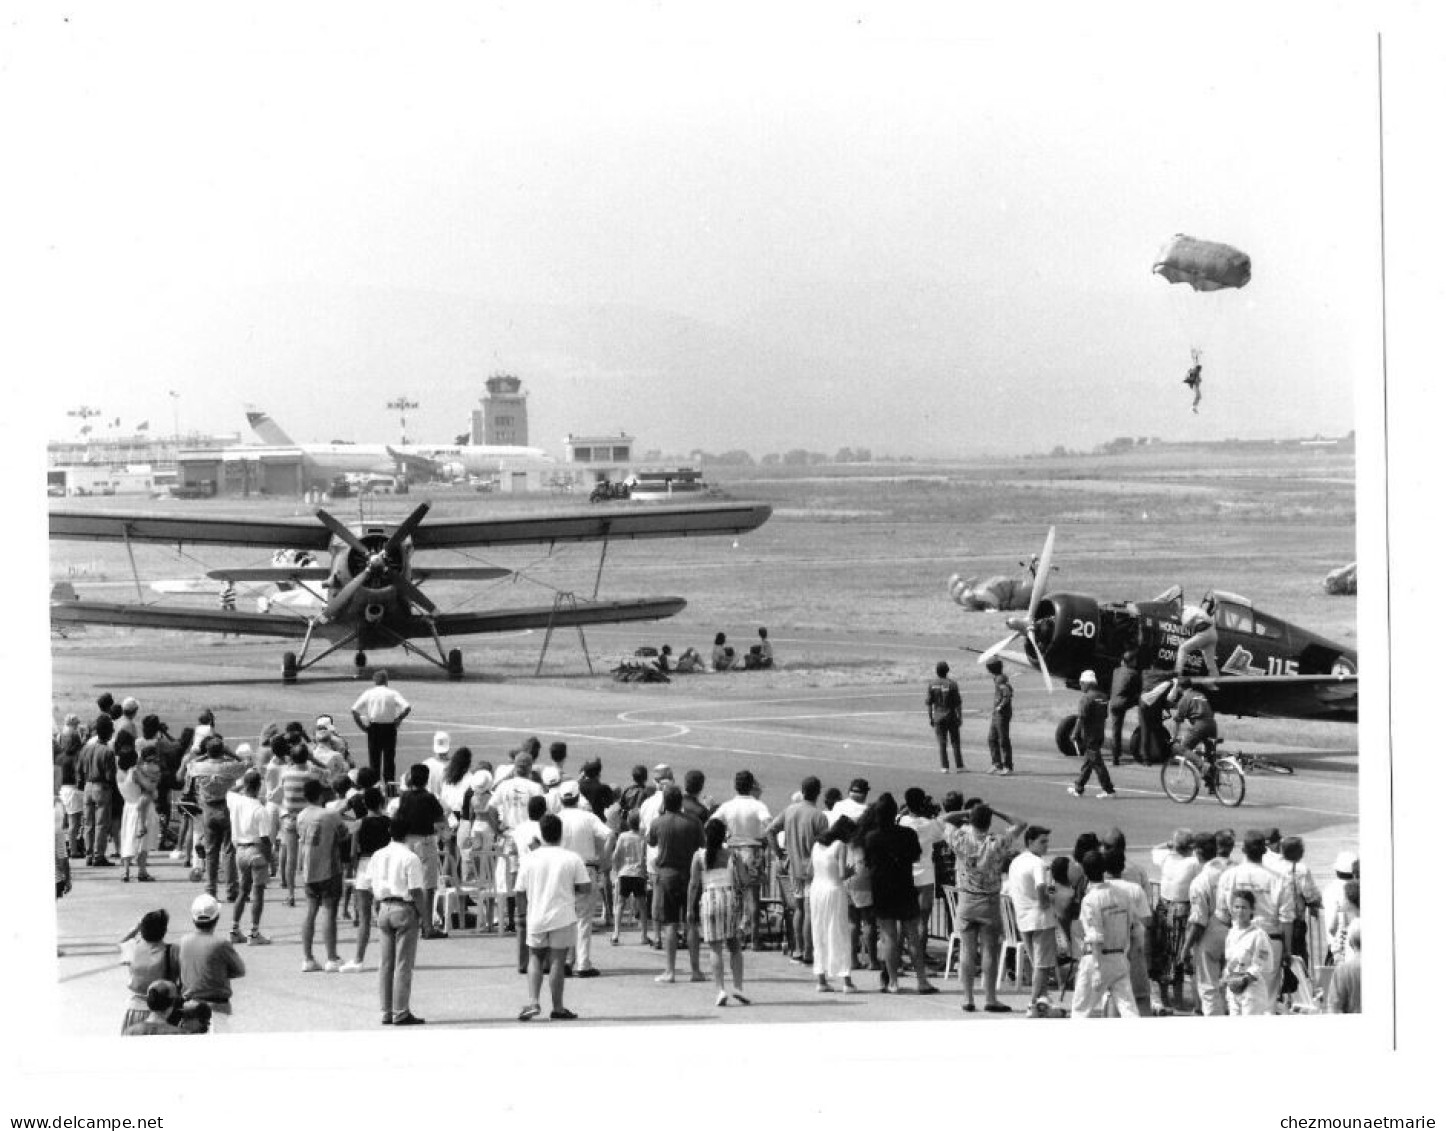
<point x="325" y="462"/>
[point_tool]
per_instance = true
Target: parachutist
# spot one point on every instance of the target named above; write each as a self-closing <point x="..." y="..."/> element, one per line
<point x="1193" y="379"/>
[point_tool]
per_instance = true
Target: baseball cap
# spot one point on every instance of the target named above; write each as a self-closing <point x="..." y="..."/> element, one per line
<point x="205" y="909"/>
<point x="859" y="785"/>
<point x="663" y="771"/>
<point x="551" y="776"/>
<point x="569" y="789"/>
<point x="130" y="704"/>
<point x="481" y="780"/>
<point x="441" y="742"/>
<point x="1087" y="677"/>
<point x="1346" y="861"/>
<point x="244" y="750"/>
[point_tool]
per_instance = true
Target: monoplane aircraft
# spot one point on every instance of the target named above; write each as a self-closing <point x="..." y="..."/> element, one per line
<point x="1267" y="667"/>
<point x="370" y="590"/>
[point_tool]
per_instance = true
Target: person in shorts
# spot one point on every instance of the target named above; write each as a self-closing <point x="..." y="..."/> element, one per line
<point x="677" y="837"/>
<point x="631" y="879"/>
<point x="253" y="831"/>
<point x="550" y="880"/>
<point x="320" y="835"/>
<point x="372" y="834"/>
<point x="979" y="857"/>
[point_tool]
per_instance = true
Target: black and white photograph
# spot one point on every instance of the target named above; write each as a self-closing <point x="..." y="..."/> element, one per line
<point x="755" y="541"/>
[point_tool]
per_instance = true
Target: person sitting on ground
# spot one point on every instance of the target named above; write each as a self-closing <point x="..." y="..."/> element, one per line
<point x="764" y="649"/>
<point x="722" y="653"/>
<point x="689" y="661"/>
<point x="161" y="999"/>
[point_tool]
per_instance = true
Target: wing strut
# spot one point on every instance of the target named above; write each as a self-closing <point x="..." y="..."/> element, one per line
<point x="596" y="581"/>
<point x="567" y="600"/>
<point x="135" y="573"/>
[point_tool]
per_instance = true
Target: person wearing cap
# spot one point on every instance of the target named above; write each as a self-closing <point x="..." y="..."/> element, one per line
<point x="330" y="750"/>
<point x="436" y="762"/>
<point x="1001" y="749"/>
<point x="1104" y="971"/>
<point x="379" y="711"/>
<point x="1204" y="941"/>
<point x="1344" y="870"/>
<point x="419" y="809"/>
<point x="1089" y="736"/>
<point x="1272" y="905"/>
<point x="854" y="804"/>
<point x="215" y="773"/>
<point x="585" y="834"/>
<point x="945" y="708"/>
<point x="397" y="880"/>
<point x="209" y="963"/>
<point x="253" y="831"/>
<point x="551" y="781"/>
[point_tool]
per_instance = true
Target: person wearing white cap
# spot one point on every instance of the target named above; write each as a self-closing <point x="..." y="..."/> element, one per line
<point x="437" y="763"/>
<point x="1346" y="868"/>
<point x="551" y="783"/>
<point x="584" y="833"/>
<point x="209" y="962"/>
<point x="331" y="750"/>
<point x="1089" y="736"/>
<point x="130" y="708"/>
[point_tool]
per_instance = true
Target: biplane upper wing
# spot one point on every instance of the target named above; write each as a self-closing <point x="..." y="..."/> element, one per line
<point x="593" y="526"/>
<point x="184" y="620"/>
<point x="542" y="616"/>
<point x="1333" y="697"/>
<point x="299" y="534"/>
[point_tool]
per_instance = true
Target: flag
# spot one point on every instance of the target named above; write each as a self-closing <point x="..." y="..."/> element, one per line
<point x="143" y="425"/>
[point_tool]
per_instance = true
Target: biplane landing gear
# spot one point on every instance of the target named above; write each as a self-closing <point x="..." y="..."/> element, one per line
<point x="1064" y="737"/>
<point x="454" y="664"/>
<point x="288" y="668"/>
<point x="361" y="662"/>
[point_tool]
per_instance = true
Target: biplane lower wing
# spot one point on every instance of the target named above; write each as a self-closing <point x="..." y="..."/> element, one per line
<point x="1330" y="697"/>
<point x="562" y="616"/>
<point x="182" y="620"/>
<point x="299" y="534"/>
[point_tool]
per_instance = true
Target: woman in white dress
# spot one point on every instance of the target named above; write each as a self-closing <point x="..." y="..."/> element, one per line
<point x="139" y="830"/>
<point x="829" y="906"/>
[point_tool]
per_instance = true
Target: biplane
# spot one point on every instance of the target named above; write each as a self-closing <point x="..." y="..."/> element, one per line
<point x="370" y="590"/>
<point x="1267" y="667"/>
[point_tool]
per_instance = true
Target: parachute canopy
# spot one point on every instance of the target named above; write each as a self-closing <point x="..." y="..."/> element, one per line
<point x="1204" y="265"/>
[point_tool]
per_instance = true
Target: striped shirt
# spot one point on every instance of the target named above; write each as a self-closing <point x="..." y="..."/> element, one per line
<point x="293" y="786"/>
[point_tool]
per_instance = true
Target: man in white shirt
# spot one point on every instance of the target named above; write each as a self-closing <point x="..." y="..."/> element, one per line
<point x="550" y="882"/>
<point x="380" y="711"/>
<point x="854" y="804"/>
<point x="1205" y="934"/>
<point x="398" y="890"/>
<point x="747" y="818"/>
<point x="1274" y="906"/>
<point x="437" y="763"/>
<point x="585" y="834"/>
<point x="253" y="831"/>
<point x="1028" y="890"/>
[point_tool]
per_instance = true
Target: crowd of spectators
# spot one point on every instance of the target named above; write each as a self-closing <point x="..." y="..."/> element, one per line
<point x="856" y="877"/>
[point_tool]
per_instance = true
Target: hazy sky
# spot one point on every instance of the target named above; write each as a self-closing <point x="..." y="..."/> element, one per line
<point x="915" y="236"/>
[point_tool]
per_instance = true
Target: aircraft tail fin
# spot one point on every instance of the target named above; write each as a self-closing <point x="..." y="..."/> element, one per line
<point x="266" y="429"/>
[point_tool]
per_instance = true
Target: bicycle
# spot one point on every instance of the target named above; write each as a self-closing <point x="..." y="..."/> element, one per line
<point x="1259" y="763"/>
<point x="1182" y="775"/>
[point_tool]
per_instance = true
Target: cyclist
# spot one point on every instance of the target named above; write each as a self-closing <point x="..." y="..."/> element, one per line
<point x="1195" y="725"/>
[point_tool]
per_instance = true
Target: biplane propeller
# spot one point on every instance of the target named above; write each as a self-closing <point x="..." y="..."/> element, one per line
<point x="371" y="591"/>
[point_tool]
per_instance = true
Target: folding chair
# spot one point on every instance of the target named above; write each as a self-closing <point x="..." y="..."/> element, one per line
<point x="450" y="902"/>
<point x="956" y="936"/>
<point x="1013" y="943"/>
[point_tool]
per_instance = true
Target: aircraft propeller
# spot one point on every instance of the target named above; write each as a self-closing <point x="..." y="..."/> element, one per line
<point x="376" y="561"/>
<point x="1024" y="626"/>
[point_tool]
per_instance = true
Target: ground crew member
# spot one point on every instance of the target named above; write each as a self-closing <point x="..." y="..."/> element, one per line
<point x="1001" y="750"/>
<point x="1203" y="639"/>
<point x="1195" y="724"/>
<point x="1124" y="694"/>
<point x="946" y="708"/>
<point x="1205" y="936"/>
<point x="1104" y="971"/>
<point x="1089" y="736"/>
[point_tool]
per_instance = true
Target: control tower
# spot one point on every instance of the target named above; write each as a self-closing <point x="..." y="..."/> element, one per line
<point x="502" y="419"/>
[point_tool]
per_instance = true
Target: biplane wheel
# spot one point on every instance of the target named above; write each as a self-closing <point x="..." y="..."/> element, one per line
<point x="288" y="667"/>
<point x="454" y="663"/>
<point x="361" y="660"/>
<point x="1064" y="737"/>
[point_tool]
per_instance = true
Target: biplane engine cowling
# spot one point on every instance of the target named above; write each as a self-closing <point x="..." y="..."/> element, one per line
<point x="1067" y="627"/>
